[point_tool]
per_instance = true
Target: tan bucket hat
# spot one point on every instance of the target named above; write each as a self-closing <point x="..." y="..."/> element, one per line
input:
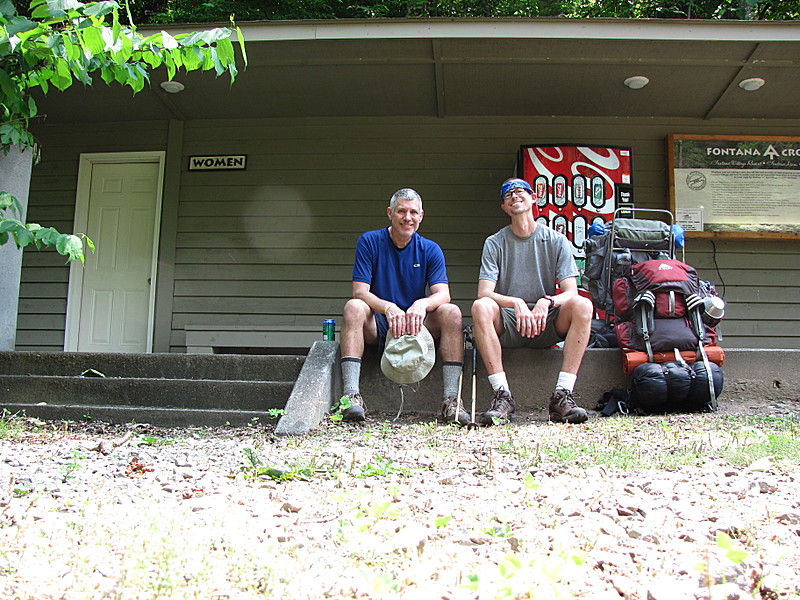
<point x="409" y="358"/>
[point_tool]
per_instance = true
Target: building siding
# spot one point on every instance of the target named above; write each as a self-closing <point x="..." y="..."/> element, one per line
<point x="273" y="245"/>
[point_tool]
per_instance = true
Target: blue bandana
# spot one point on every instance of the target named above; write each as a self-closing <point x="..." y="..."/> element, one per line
<point x="513" y="185"/>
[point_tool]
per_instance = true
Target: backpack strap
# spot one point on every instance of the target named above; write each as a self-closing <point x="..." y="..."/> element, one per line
<point x="614" y="401"/>
<point x="694" y="303"/>
<point x="645" y="303"/>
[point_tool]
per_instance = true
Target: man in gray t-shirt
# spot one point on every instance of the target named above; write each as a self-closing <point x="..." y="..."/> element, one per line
<point x="517" y="304"/>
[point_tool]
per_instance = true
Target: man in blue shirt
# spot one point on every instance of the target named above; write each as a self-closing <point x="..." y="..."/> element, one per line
<point x="400" y="284"/>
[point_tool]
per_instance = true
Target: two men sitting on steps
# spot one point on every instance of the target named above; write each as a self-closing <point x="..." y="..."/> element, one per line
<point x="400" y="285"/>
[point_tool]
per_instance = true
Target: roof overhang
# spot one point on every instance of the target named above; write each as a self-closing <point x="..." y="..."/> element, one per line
<point x="462" y="68"/>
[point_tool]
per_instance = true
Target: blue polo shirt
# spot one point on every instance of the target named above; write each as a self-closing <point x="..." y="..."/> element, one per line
<point x="399" y="275"/>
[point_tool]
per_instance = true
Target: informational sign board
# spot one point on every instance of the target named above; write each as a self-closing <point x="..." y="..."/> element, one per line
<point x="742" y="186"/>
<point x="577" y="185"/>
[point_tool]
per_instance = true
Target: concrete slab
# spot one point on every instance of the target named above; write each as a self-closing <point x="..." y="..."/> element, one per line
<point x="317" y="387"/>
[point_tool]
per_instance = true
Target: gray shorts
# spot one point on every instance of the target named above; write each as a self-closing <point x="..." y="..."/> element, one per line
<point x="511" y="338"/>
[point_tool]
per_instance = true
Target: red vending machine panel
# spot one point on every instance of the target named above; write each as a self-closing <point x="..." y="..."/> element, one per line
<point x="576" y="185"/>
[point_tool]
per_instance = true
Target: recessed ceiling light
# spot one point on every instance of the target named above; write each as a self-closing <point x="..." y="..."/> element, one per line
<point x="172" y="87"/>
<point x="752" y="84"/>
<point x="637" y="82"/>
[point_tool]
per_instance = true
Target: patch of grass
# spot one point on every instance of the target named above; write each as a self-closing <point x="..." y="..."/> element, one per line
<point x="380" y="466"/>
<point x="256" y="468"/>
<point x="12" y="426"/>
<point x="157" y="441"/>
<point x="777" y="446"/>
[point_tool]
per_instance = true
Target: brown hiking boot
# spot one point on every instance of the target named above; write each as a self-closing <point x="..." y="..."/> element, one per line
<point x="355" y="412"/>
<point x="563" y="408"/>
<point x="501" y="410"/>
<point x="453" y="411"/>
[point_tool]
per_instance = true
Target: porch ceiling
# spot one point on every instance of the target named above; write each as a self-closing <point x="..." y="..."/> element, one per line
<point x="467" y="68"/>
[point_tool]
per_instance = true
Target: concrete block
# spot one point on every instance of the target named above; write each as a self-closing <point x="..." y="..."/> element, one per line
<point x="317" y="387"/>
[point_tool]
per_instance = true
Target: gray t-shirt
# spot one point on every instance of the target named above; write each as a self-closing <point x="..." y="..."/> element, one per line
<point x="529" y="267"/>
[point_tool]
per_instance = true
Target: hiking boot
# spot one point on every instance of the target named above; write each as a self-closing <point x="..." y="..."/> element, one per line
<point x="453" y="411"/>
<point x="355" y="412"/>
<point x="563" y="408"/>
<point x="501" y="410"/>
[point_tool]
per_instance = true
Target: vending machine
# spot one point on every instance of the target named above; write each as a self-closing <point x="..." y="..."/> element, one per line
<point x="576" y="186"/>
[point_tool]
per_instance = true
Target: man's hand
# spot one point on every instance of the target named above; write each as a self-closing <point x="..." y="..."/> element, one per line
<point x="531" y="323"/>
<point x="415" y="316"/>
<point x="396" y="318"/>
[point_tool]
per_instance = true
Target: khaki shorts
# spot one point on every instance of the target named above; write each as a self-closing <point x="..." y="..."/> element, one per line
<point x="511" y="338"/>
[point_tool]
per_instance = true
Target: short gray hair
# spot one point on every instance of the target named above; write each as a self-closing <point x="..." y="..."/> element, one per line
<point x="405" y="194"/>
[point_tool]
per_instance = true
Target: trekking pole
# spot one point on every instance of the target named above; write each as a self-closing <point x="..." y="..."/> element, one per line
<point x="472" y="424"/>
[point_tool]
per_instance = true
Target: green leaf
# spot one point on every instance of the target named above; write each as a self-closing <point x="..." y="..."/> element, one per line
<point x="70" y="246"/>
<point x="107" y="74"/>
<point x="7" y="8"/>
<point x="72" y="51"/>
<point x="63" y="5"/>
<point x="40" y="10"/>
<point x="8" y="86"/>
<point x="20" y="25"/>
<point x="63" y="77"/>
<point x="240" y="39"/>
<point x="8" y="201"/>
<point x="192" y="58"/>
<point x="46" y="235"/>
<point x="10" y="225"/>
<point x="93" y="40"/>
<point x="733" y="552"/>
<point x="152" y="59"/>
<point x="170" y="64"/>
<point x="125" y="49"/>
<point x="23" y="237"/>
<point x="99" y="9"/>
<point x="225" y="51"/>
<point x="169" y="42"/>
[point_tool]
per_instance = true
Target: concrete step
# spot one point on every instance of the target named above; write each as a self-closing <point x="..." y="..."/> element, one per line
<point x="163" y="389"/>
<point x="223" y="367"/>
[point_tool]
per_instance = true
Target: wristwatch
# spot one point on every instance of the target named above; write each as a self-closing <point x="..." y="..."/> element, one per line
<point x="550" y="300"/>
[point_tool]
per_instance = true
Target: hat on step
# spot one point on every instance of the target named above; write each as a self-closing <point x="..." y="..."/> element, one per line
<point x="408" y="358"/>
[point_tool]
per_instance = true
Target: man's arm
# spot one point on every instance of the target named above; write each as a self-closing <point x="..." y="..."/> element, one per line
<point x="361" y="291"/>
<point x="530" y="322"/>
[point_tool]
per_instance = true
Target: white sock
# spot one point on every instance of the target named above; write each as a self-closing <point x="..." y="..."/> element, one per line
<point x="566" y="381"/>
<point x="498" y="381"/>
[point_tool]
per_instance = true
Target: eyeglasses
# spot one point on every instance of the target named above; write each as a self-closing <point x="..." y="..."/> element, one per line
<point x="515" y="192"/>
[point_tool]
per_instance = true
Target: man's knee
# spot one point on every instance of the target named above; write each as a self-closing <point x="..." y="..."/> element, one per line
<point x="355" y="311"/>
<point x="484" y="308"/>
<point x="447" y="317"/>
<point x="580" y="310"/>
<point x="585" y="308"/>
<point x="451" y="313"/>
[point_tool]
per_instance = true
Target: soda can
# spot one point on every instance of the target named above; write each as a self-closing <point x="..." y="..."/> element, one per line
<point x="329" y="330"/>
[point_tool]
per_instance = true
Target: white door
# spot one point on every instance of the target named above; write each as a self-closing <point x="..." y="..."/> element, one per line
<point x="111" y="308"/>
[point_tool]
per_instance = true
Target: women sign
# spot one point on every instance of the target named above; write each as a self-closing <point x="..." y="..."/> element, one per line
<point x="576" y="186"/>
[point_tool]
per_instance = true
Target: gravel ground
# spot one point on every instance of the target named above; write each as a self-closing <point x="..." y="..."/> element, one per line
<point x="673" y="507"/>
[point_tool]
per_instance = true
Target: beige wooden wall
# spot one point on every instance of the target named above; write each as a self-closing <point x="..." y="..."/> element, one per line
<point x="273" y="245"/>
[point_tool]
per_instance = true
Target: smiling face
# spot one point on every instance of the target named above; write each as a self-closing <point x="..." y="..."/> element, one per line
<point x="517" y="201"/>
<point x="405" y="218"/>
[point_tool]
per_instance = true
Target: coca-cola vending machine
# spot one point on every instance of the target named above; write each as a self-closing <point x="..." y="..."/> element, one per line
<point x="575" y="186"/>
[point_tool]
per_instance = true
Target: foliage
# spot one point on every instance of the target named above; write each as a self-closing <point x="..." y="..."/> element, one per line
<point x="12" y="426"/>
<point x="59" y="42"/>
<point x="169" y="11"/>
